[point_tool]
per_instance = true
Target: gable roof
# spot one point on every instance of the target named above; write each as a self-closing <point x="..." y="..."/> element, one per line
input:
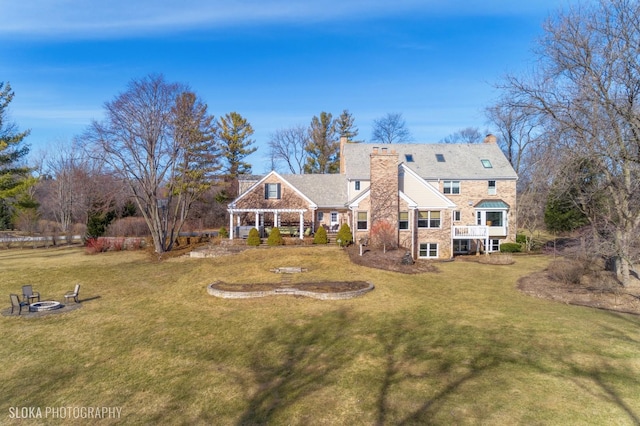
<point x="325" y="190"/>
<point x="461" y="161"/>
<point x="280" y="178"/>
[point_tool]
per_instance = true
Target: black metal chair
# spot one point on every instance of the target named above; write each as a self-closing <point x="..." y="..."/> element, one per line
<point x="72" y="294"/>
<point x="28" y="294"/>
<point x="17" y="303"/>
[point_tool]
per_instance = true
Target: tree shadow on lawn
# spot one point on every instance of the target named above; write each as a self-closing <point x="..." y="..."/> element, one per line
<point x="406" y="360"/>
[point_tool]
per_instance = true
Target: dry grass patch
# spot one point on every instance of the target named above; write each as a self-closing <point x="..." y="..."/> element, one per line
<point x="458" y="346"/>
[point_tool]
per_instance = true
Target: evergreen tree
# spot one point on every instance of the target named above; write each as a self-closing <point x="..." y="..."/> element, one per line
<point x="320" y="236"/>
<point x="234" y="137"/>
<point x="323" y="146"/>
<point x="344" y="235"/>
<point x="254" y="238"/>
<point x="275" y="238"/>
<point x="14" y="179"/>
<point x="345" y="125"/>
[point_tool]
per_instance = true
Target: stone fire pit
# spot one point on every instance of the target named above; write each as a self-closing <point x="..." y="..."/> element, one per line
<point x="47" y="305"/>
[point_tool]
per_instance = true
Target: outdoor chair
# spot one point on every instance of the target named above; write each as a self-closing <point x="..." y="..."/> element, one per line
<point x="28" y="294"/>
<point x="72" y="294"/>
<point x="16" y="303"/>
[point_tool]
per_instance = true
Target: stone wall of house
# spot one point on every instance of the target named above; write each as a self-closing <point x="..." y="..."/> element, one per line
<point x="472" y="192"/>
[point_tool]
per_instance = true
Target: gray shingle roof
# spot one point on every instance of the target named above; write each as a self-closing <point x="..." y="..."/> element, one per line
<point x="325" y="190"/>
<point x="461" y="161"/>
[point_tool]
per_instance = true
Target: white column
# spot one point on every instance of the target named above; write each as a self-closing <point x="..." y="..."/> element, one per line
<point x="302" y="225"/>
<point x="275" y="219"/>
<point x="258" y="221"/>
<point x="231" y="225"/>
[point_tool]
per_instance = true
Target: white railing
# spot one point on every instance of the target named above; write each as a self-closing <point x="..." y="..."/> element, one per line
<point x="465" y="232"/>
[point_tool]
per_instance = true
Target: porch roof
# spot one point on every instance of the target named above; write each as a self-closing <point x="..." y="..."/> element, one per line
<point x="232" y="210"/>
<point x="491" y="204"/>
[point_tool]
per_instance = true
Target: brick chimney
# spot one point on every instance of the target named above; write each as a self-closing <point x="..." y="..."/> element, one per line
<point x="343" y="167"/>
<point x="490" y="139"/>
<point x="384" y="186"/>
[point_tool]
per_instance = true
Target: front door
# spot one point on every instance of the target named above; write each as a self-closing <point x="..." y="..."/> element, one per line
<point x="334" y="221"/>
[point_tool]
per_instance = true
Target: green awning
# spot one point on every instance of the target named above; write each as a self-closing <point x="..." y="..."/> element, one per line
<point x="492" y="204"/>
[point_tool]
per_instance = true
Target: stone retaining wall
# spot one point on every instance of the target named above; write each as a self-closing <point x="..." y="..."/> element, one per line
<point x="290" y="291"/>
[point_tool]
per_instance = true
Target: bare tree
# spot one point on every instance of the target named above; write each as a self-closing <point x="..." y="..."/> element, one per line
<point x="390" y="129"/>
<point x="586" y="94"/>
<point x="466" y="135"/>
<point x="287" y="147"/>
<point x="148" y="138"/>
<point x="518" y="131"/>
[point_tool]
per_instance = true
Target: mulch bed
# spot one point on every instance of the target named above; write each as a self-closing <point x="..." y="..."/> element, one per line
<point x="389" y="261"/>
<point x="618" y="299"/>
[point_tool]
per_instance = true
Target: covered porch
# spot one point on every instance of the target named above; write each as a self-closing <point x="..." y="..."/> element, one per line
<point x="263" y="218"/>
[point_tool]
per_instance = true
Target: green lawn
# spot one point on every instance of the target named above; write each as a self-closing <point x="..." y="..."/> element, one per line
<point x="460" y="346"/>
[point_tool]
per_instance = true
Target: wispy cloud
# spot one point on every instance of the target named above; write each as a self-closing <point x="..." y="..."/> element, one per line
<point x="118" y="18"/>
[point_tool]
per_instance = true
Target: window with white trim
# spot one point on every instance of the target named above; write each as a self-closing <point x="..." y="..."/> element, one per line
<point x="492" y="187"/>
<point x="494" y="245"/>
<point x="362" y="221"/>
<point x="428" y="219"/>
<point x="403" y="220"/>
<point x="320" y="216"/>
<point x="428" y="250"/>
<point x="271" y="191"/>
<point x="451" y="187"/>
<point x="456" y="216"/>
<point x="357" y="185"/>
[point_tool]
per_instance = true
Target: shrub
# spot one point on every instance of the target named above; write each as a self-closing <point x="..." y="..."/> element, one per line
<point x="321" y="236"/>
<point x="566" y="271"/>
<point x="344" y="235"/>
<point x="521" y="239"/>
<point x="254" y="238"/>
<point x="510" y="248"/>
<point x="223" y="233"/>
<point x="384" y="234"/>
<point x="275" y="239"/>
<point x="96" y="245"/>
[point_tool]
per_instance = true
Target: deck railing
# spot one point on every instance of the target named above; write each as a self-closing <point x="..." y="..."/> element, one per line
<point x="468" y="232"/>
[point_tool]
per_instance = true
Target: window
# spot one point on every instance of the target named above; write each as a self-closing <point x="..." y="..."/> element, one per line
<point x="428" y="250"/>
<point x="492" y="187"/>
<point x="409" y="158"/>
<point x="494" y="218"/>
<point x="362" y="221"/>
<point x="486" y="164"/>
<point x="494" y="245"/>
<point x="271" y="191"/>
<point x="460" y="246"/>
<point x="403" y="220"/>
<point x="357" y="185"/>
<point x="456" y="215"/>
<point x="440" y="158"/>
<point x="428" y="219"/>
<point x="320" y="216"/>
<point x="334" y="217"/>
<point x="451" y="187"/>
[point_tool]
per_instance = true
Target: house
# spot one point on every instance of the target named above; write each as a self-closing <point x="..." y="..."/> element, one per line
<point x="436" y="200"/>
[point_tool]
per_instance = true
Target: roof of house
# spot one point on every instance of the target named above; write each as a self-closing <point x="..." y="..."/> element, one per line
<point x="325" y="190"/>
<point x="435" y="161"/>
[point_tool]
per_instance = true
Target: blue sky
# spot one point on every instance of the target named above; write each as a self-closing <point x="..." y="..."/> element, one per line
<point x="278" y="63"/>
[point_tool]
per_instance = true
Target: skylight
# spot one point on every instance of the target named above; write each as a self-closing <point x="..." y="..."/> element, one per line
<point x="440" y="158"/>
<point x="486" y="164"/>
<point x="409" y="158"/>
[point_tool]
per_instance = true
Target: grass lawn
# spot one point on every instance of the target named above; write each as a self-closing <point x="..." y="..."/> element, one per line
<point x="460" y="346"/>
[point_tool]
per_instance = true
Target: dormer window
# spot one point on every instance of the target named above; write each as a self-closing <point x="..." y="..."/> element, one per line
<point x="409" y="158"/>
<point x="440" y="158"/>
<point x="486" y="164"/>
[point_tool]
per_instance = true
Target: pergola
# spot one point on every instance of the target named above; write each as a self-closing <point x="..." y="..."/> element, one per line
<point x="257" y="212"/>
